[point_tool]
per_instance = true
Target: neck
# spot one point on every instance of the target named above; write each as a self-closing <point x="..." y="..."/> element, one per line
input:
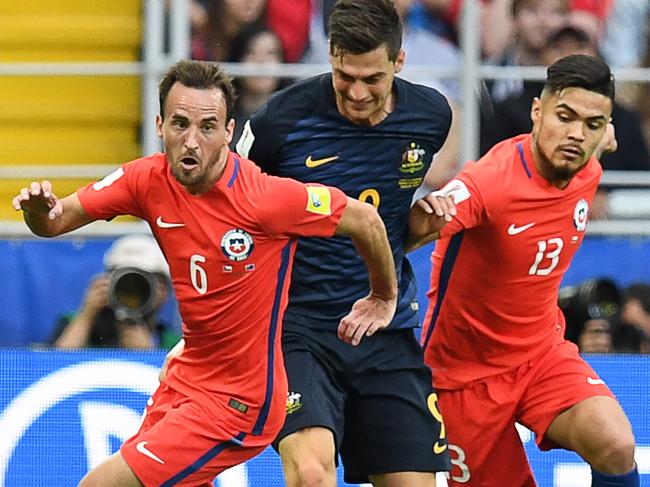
<point x="212" y="177"/>
<point x="545" y="169"/>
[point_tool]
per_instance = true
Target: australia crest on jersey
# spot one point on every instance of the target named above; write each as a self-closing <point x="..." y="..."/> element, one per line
<point x="581" y="214"/>
<point x="237" y="244"/>
<point x="412" y="159"/>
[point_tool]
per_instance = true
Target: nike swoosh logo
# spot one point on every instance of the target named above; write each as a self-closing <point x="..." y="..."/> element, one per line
<point x="163" y="224"/>
<point x="142" y="448"/>
<point x="514" y="230"/>
<point x="438" y="449"/>
<point x="595" y="382"/>
<point x="309" y="162"/>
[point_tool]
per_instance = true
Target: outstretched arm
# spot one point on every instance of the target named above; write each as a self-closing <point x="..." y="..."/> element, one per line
<point x="45" y="214"/>
<point x="427" y="217"/>
<point x="361" y="222"/>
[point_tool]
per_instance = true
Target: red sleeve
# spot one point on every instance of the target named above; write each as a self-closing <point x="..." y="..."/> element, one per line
<point x="294" y="209"/>
<point x="476" y="195"/>
<point x="112" y="196"/>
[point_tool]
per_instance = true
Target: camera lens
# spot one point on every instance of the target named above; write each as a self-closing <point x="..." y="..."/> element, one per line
<point x="132" y="290"/>
<point x="132" y="293"/>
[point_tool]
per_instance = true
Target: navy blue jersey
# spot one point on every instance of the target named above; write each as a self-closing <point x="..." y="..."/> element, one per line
<point x="299" y="133"/>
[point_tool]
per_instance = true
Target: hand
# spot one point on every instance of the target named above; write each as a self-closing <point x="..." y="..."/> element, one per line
<point x="608" y="143"/>
<point x="368" y="315"/>
<point x="38" y="198"/>
<point x="174" y="352"/>
<point x="96" y="296"/>
<point x="436" y="209"/>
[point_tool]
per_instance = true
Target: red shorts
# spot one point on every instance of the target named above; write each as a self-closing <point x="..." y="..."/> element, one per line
<point x="180" y="443"/>
<point x="485" y="447"/>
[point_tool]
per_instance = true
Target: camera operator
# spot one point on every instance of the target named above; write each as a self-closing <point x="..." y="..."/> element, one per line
<point x="121" y="306"/>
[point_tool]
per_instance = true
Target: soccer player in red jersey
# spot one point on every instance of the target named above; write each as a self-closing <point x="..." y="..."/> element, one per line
<point x="228" y="232"/>
<point x="493" y="333"/>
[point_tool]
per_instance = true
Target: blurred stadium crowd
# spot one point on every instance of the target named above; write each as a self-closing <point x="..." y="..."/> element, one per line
<point x="513" y="33"/>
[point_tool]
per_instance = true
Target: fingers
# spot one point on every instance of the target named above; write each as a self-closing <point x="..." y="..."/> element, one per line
<point x="443" y="206"/>
<point x="439" y="204"/>
<point x="38" y="198"/>
<point x="352" y="331"/>
<point x="368" y="315"/>
<point x="56" y="210"/>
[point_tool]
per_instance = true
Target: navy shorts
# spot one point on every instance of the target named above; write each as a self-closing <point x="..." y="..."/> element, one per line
<point x="376" y="398"/>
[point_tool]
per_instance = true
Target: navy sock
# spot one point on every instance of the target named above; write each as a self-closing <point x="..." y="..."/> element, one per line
<point x="630" y="479"/>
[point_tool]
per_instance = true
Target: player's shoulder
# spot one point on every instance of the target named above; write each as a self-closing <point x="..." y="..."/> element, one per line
<point x="421" y="98"/>
<point x="298" y="100"/>
<point x="502" y="158"/>
<point x="149" y="165"/>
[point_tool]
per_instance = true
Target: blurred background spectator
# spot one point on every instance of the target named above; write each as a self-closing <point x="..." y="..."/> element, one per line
<point x="512" y="115"/>
<point x="603" y="318"/>
<point x="532" y="20"/>
<point x="635" y="311"/>
<point x="255" y="44"/>
<point x="596" y="337"/>
<point x="224" y="19"/>
<point x="120" y="307"/>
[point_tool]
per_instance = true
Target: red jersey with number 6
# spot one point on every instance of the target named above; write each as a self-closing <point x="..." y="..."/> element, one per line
<point x="497" y="268"/>
<point x="229" y="251"/>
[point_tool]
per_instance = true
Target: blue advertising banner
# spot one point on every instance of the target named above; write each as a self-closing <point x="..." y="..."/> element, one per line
<point x="63" y="412"/>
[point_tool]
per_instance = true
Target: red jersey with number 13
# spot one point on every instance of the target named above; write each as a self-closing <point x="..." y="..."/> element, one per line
<point x="497" y="268"/>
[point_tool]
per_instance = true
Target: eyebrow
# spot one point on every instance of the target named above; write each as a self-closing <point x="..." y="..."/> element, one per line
<point x="203" y="120"/>
<point x="377" y="74"/>
<point x="568" y="108"/>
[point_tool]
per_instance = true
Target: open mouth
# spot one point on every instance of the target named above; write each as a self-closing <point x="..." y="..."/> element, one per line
<point x="188" y="163"/>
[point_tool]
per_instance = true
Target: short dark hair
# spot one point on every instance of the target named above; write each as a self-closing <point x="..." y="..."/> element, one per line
<point x="360" y="26"/>
<point x="580" y="71"/>
<point x="202" y="75"/>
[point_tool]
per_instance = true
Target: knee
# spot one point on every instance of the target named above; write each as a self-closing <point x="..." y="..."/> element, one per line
<point x="308" y="469"/>
<point x="314" y="473"/>
<point x="616" y="456"/>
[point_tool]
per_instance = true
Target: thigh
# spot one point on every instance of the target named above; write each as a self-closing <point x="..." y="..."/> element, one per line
<point x="392" y="421"/>
<point x="180" y="443"/>
<point x="316" y="397"/>
<point x="560" y="380"/>
<point x="484" y="445"/>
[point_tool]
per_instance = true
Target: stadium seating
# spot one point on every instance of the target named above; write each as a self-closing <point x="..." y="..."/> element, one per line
<point x="68" y="119"/>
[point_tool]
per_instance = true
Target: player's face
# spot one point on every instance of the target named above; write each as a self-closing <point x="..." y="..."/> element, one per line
<point x="363" y="84"/>
<point x="567" y="127"/>
<point x="195" y="135"/>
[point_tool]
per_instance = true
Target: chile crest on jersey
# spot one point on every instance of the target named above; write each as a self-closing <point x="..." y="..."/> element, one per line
<point x="237" y="244"/>
<point x="581" y="214"/>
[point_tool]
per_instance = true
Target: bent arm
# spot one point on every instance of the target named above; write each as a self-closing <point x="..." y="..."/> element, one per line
<point x="427" y="217"/>
<point x="45" y="214"/>
<point x="361" y="222"/>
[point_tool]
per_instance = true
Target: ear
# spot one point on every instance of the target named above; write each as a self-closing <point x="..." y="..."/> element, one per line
<point x="159" y="122"/>
<point x="399" y="62"/>
<point x="230" y="130"/>
<point x="536" y="110"/>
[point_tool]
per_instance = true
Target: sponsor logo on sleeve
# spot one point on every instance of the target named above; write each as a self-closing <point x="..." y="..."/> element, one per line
<point x="456" y="189"/>
<point x="319" y="200"/>
<point x="108" y="180"/>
